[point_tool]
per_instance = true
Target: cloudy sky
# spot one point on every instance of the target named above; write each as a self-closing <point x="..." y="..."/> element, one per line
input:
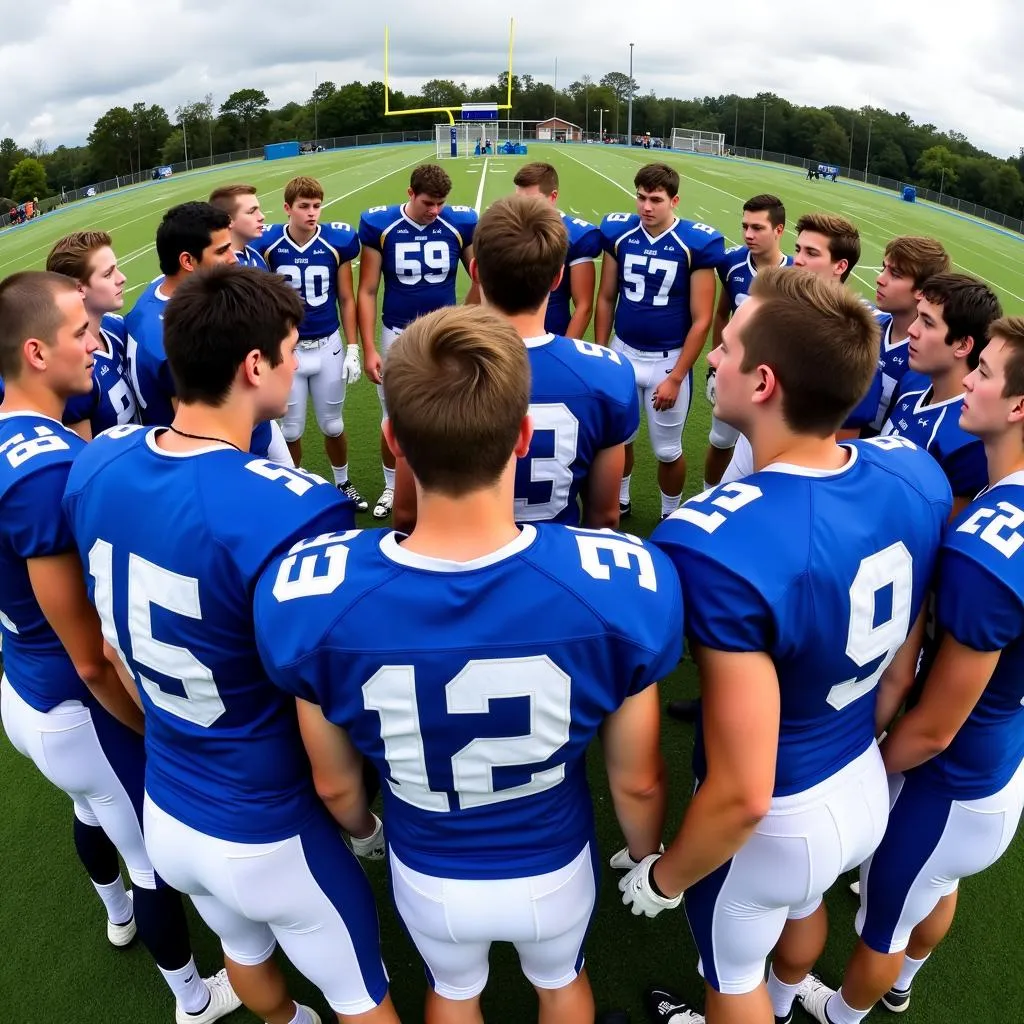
<point x="64" y="63"/>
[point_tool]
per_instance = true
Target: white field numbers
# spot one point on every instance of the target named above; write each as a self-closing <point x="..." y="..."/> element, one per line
<point x="889" y="571"/>
<point x="317" y="567"/>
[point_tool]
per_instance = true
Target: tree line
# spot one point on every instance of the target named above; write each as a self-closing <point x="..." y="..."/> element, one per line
<point x="125" y="140"/>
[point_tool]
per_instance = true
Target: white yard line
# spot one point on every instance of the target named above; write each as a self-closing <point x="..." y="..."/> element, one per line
<point x="480" y="190"/>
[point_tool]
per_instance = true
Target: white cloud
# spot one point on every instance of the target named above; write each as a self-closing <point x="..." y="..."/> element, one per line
<point x="64" y="69"/>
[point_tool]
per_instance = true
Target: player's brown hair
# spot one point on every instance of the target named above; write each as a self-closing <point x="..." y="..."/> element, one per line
<point x="819" y="339"/>
<point x="226" y="197"/>
<point x="843" y="237"/>
<point x="520" y="246"/>
<point x="918" y="257"/>
<point x="28" y="309"/>
<point x="72" y="254"/>
<point x="544" y="176"/>
<point x="1011" y="330"/>
<point x="969" y="307"/>
<point x="457" y="386"/>
<point x="303" y="188"/>
<point x="767" y="203"/>
<point x="430" y="180"/>
<point x="653" y="177"/>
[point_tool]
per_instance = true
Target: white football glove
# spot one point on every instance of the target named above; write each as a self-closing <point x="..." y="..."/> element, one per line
<point x="622" y="861"/>
<point x="372" y="847"/>
<point x="710" y="387"/>
<point x="638" y="895"/>
<point x="351" y="369"/>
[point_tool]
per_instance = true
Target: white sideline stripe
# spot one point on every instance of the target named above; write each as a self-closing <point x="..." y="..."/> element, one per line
<point x="480" y="190"/>
<point x="418" y="159"/>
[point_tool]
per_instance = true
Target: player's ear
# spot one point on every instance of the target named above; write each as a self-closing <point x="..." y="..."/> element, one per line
<point x="525" y="437"/>
<point x="963" y="347"/>
<point x="251" y="367"/>
<point x="1016" y="413"/>
<point x="767" y="384"/>
<point x="392" y="441"/>
<point x="558" y="280"/>
<point x="839" y="268"/>
<point x="34" y="352"/>
<point x="474" y="274"/>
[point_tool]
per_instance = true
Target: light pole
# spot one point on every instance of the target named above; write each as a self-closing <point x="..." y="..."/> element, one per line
<point x="600" y="124"/>
<point x="586" y="100"/>
<point x="629" y="86"/>
<point x="316" y="125"/>
<point x="867" y="159"/>
<point x="184" y="137"/>
<point x="849" y="163"/>
<point x="736" y="125"/>
<point x="764" y="121"/>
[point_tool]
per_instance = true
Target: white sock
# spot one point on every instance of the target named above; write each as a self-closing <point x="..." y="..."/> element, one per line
<point x="115" y="901"/>
<point x="839" y="1012"/>
<point x="706" y="484"/>
<point x="340" y="474"/>
<point x="624" y="489"/>
<point x="909" y="972"/>
<point x="301" y="1016"/>
<point x="389" y="478"/>
<point x="669" y="503"/>
<point x="188" y="987"/>
<point x="781" y="994"/>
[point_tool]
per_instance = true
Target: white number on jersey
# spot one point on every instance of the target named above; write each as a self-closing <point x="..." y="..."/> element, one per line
<point x="709" y="230"/>
<point x="590" y="348"/>
<point x="730" y="497"/>
<point x="20" y="448"/>
<point x="391" y="692"/>
<point x="412" y="257"/>
<point x="890" y="442"/>
<point x="298" y="480"/>
<point x="123" y="401"/>
<point x="555" y="469"/>
<point x="376" y="209"/>
<point x="636" y="282"/>
<point x="151" y="585"/>
<point x="890" y="569"/>
<point x="1010" y="520"/>
<point x="623" y="548"/>
<point x="340" y="225"/>
<point x="618" y="218"/>
<point x="320" y="572"/>
<point x="313" y="285"/>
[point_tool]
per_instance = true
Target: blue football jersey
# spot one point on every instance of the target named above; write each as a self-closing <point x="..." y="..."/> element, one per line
<point x="935" y="426"/>
<point x="147" y="362"/>
<point x="867" y="408"/>
<point x="582" y="400"/>
<point x="111" y="401"/>
<point x="584" y="247"/>
<point x="737" y="272"/>
<point x="979" y="601"/>
<point x="312" y="270"/>
<point x="35" y="457"/>
<point x="653" y="307"/>
<point x="479" y="710"/>
<point x="419" y="263"/>
<point x="824" y="571"/>
<point x="895" y="364"/>
<point x="223" y="751"/>
<point x="249" y="257"/>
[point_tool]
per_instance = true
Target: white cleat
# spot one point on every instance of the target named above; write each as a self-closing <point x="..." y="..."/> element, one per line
<point x="384" y="504"/>
<point x="313" y="1015"/>
<point x="222" y="1002"/>
<point x="855" y="887"/>
<point x="812" y="995"/>
<point x="121" y="935"/>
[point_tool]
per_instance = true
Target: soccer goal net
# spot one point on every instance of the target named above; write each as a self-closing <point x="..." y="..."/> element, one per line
<point x="690" y="140"/>
<point x="476" y="138"/>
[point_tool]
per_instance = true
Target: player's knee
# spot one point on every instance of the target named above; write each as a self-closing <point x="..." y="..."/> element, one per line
<point x="292" y="430"/>
<point x="143" y="877"/>
<point x="331" y="425"/>
<point x="668" y="450"/>
<point x="722" y="435"/>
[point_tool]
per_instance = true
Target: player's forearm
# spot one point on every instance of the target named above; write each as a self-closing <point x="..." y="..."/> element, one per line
<point x="690" y="352"/>
<point x="347" y="309"/>
<point x="366" y="309"/>
<point x="912" y="741"/>
<point x="604" y="315"/>
<point x="580" y="320"/>
<point x="106" y="686"/>
<point x="717" y="823"/>
<point x="640" y="811"/>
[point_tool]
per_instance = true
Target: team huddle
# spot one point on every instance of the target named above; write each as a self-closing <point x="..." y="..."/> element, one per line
<point x="184" y="609"/>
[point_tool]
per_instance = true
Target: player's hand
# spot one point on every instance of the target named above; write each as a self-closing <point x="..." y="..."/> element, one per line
<point x="372" y="846"/>
<point x="710" y="385"/>
<point x="373" y="365"/>
<point x="622" y="861"/>
<point x="351" y="371"/>
<point x="638" y="894"/>
<point x="666" y="394"/>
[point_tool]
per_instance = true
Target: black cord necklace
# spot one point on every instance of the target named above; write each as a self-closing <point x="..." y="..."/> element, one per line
<point x="203" y="437"/>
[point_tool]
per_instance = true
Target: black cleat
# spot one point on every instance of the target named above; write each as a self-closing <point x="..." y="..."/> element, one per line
<point x="683" y="710"/>
<point x="896" y="1000"/>
<point x="625" y="509"/>
<point x="349" y="490"/>
<point x="666" y="1008"/>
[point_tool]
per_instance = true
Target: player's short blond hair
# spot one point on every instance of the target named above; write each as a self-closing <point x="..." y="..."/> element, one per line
<point x="918" y="257"/>
<point x="820" y="340"/>
<point x="843" y="237"/>
<point x="457" y="386"/>
<point x="227" y="197"/>
<point x="302" y="188"/>
<point x="72" y="254"/>
<point x="1011" y="330"/>
<point x="542" y="175"/>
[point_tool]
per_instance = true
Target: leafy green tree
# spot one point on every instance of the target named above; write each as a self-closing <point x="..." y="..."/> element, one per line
<point x="27" y="180"/>
<point x="250" y="107"/>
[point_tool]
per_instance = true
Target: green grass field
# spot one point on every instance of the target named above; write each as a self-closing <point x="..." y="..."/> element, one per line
<point x="58" y="966"/>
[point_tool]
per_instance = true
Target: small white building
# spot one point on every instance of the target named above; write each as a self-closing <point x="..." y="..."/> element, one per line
<point x="557" y="129"/>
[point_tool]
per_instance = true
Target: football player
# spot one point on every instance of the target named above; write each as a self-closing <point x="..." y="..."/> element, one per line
<point x="61" y="701"/>
<point x="802" y="650"/>
<point x="87" y="257"/>
<point x="764" y="221"/>
<point x="242" y="204"/>
<point x="577" y="284"/>
<point x="956" y="759"/>
<point x="479" y="710"/>
<point x="954" y="313"/>
<point x="658" y="290"/>
<point x="231" y="815"/>
<point x="415" y="248"/>
<point x="908" y="262"/>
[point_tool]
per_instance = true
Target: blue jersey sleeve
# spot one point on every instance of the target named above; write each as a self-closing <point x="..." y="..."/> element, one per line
<point x="734" y="254"/>
<point x="370" y="232"/>
<point x="272" y="234"/>
<point x="464" y="220"/>
<point x="707" y="247"/>
<point x="966" y="469"/>
<point x="83" y="407"/>
<point x="35" y="525"/>
<point x="612" y="228"/>
<point x="344" y="240"/>
<point x="867" y="408"/>
<point x="585" y="246"/>
<point x="975" y="606"/>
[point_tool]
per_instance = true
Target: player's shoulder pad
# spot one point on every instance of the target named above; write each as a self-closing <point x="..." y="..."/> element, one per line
<point x="272" y="234"/>
<point x="460" y="216"/>
<point x="989" y="531"/>
<point x="104" y="448"/>
<point x="912" y="464"/>
<point x="343" y="238"/>
<point x="33" y="447"/>
<point x="604" y="370"/>
<point x="881" y="317"/>
<point x="615" y="225"/>
<point x="698" y="236"/>
<point x="380" y="216"/>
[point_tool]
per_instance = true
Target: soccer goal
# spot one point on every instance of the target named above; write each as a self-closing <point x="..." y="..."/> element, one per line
<point x="476" y="138"/>
<point x="690" y="140"/>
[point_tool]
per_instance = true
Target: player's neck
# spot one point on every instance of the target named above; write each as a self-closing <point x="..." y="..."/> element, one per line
<point x="529" y="325"/>
<point x="30" y="397"/>
<point x="240" y="244"/>
<point x="95" y="319"/>
<point x="169" y="285"/>
<point x="901" y="324"/>
<point x="301" y="235"/>
<point x="464" y="528"/>
<point x="775" y="443"/>
<point x="1004" y="454"/>
<point x="947" y="385"/>
<point x="768" y="259"/>
<point x="230" y="423"/>
<point x="658" y="230"/>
